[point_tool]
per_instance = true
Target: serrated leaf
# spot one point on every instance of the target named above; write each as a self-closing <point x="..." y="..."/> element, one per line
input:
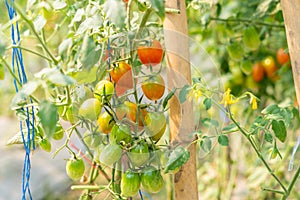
<point x="207" y="103"/>
<point x="159" y="7"/>
<point x="206" y="144"/>
<point x="223" y="140"/>
<point x="271" y="109"/>
<point x="48" y="117"/>
<point x="17" y="138"/>
<point x="39" y="23"/>
<point x="183" y="93"/>
<point x="89" y="55"/>
<point x="178" y="157"/>
<point x="55" y="76"/>
<point x="168" y="97"/>
<point x="115" y="12"/>
<point x="279" y="130"/>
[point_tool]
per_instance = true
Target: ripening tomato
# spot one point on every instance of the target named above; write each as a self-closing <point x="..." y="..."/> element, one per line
<point x="150" y="55"/>
<point x="129" y="110"/>
<point x="122" y="76"/>
<point x="155" y="125"/>
<point x="139" y="154"/>
<point x="75" y="168"/>
<point x="282" y="57"/>
<point x="154" y="87"/>
<point x="105" y="122"/>
<point x="90" y="109"/>
<point x="130" y="183"/>
<point x="104" y="88"/>
<point x="120" y="132"/>
<point x="258" y="72"/>
<point x="270" y="67"/>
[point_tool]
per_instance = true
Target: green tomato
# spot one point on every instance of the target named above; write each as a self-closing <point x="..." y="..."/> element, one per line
<point x="155" y="125"/>
<point x="139" y="155"/>
<point x="75" y="168"/>
<point x="104" y="89"/>
<point x="90" y="109"/>
<point x="45" y="144"/>
<point x="251" y="38"/>
<point x="235" y="51"/>
<point x="110" y="154"/>
<point x="71" y="114"/>
<point x="120" y="132"/>
<point x="130" y="183"/>
<point x="59" y="132"/>
<point x="92" y="140"/>
<point x="152" y="180"/>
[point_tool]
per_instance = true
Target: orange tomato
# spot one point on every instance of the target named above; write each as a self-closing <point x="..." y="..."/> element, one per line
<point x="153" y="87"/>
<point x="258" y="72"/>
<point x="105" y="123"/>
<point x="150" y="55"/>
<point x="282" y="57"/>
<point x="129" y="110"/>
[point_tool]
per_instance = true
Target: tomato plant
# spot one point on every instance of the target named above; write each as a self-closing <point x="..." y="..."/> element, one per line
<point x="130" y="183"/>
<point x="105" y="122"/>
<point x="152" y="180"/>
<point x="90" y="109"/>
<point x="258" y="72"/>
<point x="75" y="168"/>
<point x="155" y="125"/>
<point x="282" y="57"/>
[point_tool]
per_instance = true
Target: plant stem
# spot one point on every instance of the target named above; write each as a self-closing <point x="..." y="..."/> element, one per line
<point x="240" y="20"/>
<point x="33" y="52"/>
<point x="291" y="185"/>
<point x="273" y="191"/>
<point x="31" y="26"/>
<point x="244" y="132"/>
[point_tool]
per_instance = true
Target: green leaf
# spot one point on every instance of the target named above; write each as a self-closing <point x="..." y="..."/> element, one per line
<point x="279" y="130"/>
<point x="2" y="72"/>
<point x="271" y="109"/>
<point x="268" y="137"/>
<point x="246" y="67"/>
<point x="93" y="22"/>
<point x="159" y="7"/>
<point x="86" y="76"/>
<point x="26" y="90"/>
<point x="48" y="117"/>
<point x="55" y="76"/>
<point x="223" y="140"/>
<point x="57" y="5"/>
<point x="168" y="97"/>
<point x="65" y="46"/>
<point x="206" y="144"/>
<point x="207" y="103"/>
<point x="183" y="93"/>
<point x="251" y="38"/>
<point x="235" y="51"/>
<point x="230" y="127"/>
<point x="178" y="157"/>
<point x="89" y="54"/>
<point x="115" y="12"/>
<point x="209" y="122"/>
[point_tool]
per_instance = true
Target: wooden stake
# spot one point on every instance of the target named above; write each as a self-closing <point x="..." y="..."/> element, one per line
<point x="181" y="115"/>
<point x="291" y="14"/>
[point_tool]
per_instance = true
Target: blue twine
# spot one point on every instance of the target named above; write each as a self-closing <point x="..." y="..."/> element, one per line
<point x="17" y="61"/>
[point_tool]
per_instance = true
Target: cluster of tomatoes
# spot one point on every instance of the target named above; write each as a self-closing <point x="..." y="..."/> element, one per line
<point x="126" y="131"/>
<point x="268" y="67"/>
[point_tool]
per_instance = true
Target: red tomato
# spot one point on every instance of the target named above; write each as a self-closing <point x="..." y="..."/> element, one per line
<point x="282" y="57"/>
<point x="150" y="55"/>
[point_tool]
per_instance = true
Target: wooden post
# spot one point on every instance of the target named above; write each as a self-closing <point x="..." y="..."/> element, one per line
<point x="291" y="14"/>
<point x="181" y="115"/>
